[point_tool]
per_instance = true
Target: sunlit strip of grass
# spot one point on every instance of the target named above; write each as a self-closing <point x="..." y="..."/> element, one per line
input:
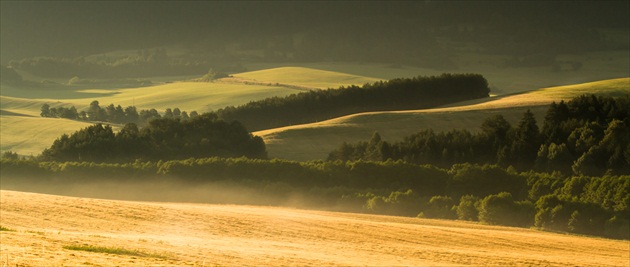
<point x="117" y="251"/>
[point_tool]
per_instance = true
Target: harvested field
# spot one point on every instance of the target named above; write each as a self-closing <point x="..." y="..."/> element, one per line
<point x="39" y="229"/>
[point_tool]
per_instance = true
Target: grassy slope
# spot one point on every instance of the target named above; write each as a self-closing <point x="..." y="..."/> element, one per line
<point x="43" y="227"/>
<point x="28" y="135"/>
<point x="31" y="135"/>
<point x="306" y="77"/>
<point x="316" y="140"/>
<point x="189" y="96"/>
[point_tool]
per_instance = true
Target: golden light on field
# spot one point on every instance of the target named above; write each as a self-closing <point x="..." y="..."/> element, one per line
<point x="40" y="229"/>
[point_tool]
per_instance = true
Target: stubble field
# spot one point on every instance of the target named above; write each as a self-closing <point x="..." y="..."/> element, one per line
<point x="46" y="230"/>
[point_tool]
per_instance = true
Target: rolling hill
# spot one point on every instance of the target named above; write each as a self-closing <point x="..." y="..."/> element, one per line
<point x="40" y="229"/>
<point x="315" y="140"/>
<point x="21" y="134"/>
<point x="29" y="136"/>
<point x="600" y="65"/>
<point x="300" y="142"/>
<point x="304" y="77"/>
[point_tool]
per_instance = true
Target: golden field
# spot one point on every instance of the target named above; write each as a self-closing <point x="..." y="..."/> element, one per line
<point x="40" y="230"/>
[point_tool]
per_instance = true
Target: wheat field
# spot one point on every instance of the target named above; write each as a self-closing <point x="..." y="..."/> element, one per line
<point x="41" y="230"/>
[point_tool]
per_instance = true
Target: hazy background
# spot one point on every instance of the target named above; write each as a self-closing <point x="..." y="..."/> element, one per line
<point x="402" y="32"/>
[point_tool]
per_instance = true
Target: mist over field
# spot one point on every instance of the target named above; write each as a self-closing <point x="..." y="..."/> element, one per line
<point x="174" y="189"/>
<point x="315" y="133"/>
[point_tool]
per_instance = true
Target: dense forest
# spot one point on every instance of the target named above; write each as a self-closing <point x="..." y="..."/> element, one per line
<point x="586" y="135"/>
<point x="396" y="94"/>
<point x="162" y="139"/>
<point x="114" y="114"/>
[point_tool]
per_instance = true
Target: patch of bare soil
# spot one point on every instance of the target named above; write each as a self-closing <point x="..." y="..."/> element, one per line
<point x="167" y="234"/>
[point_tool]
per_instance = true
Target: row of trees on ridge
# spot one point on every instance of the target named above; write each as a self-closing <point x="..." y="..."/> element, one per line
<point x="114" y="114"/>
<point x="395" y="94"/>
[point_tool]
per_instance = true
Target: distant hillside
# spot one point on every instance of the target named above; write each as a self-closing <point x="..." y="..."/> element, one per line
<point x="302" y="77"/>
<point x="316" y="140"/>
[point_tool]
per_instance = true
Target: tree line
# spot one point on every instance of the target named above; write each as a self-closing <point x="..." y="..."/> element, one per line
<point x="397" y="94"/>
<point x="586" y="135"/>
<point x="114" y="114"/>
<point x="161" y="139"/>
<point x="146" y="63"/>
<point x="486" y="193"/>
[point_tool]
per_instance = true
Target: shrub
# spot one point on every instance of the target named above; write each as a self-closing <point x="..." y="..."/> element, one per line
<point x="502" y="209"/>
<point x="467" y="208"/>
<point x="440" y="207"/>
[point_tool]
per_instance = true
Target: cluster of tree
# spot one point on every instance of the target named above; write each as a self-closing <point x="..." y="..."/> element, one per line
<point x="587" y="135"/>
<point x="114" y="114"/>
<point x="487" y="193"/>
<point x="164" y="138"/>
<point x="396" y="94"/>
